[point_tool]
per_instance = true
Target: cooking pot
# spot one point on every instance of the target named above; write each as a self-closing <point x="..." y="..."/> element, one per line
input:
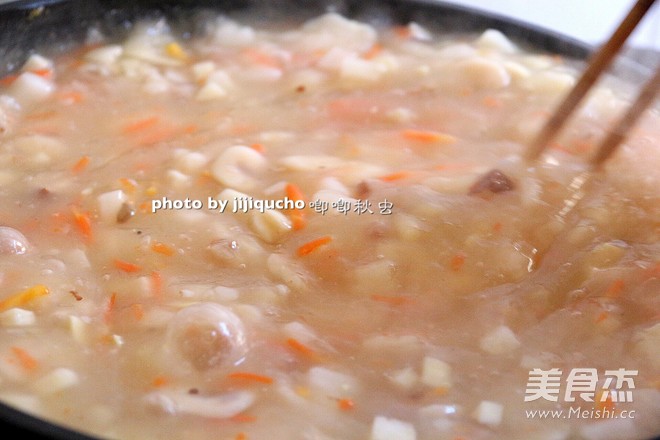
<point x="57" y="26"/>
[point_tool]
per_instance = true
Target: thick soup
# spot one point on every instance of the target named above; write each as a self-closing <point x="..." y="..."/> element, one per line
<point x="323" y="232"/>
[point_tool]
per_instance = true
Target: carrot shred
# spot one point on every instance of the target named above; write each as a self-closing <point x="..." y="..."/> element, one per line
<point x="497" y="227"/>
<point x="110" y="307"/>
<point x="427" y="136"/>
<point x="160" y="381"/>
<point x="138" y="311"/>
<point x="8" y="80"/>
<point x="615" y="289"/>
<point x="373" y="51"/>
<point x="311" y="246"/>
<point x="399" y="175"/>
<point x="403" y="31"/>
<point x="258" y="147"/>
<point x="83" y="223"/>
<point x="243" y="418"/>
<point x="155" y="136"/>
<point x="129" y="185"/>
<point x="80" y="164"/>
<point x="248" y="376"/>
<point x="140" y="124"/>
<point x="345" y="404"/>
<point x="26" y="360"/>
<point x="300" y="347"/>
<point x="241" y="436"/>
<point x="602" y="317"/>
<point x="44" y="73"/>
<point x="457" y="262"/>
<point x="156" y="283"/>
<point x="298" y="217"/>
<point x="162" y="248"/>
<point x="24" y="297"/>
<point x="126" y="266"/>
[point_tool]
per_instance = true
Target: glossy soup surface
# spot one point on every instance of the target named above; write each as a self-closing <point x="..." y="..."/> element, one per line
<point x="294" y="234"/>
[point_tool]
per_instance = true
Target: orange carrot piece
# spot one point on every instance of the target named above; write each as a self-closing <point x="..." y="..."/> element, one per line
<point x="160" y="381"/>
<point x="262" y="58"/>
<point x="248" y="376"/>
<point x="602" y="317"/>
<point x="300" y="347"/>
<point x="241" y="436"/>
<point x="83" y="223"/>
<point x="243" y="418"/>
<point x="403" y="32"/>
<point x="428" y="137"/>
<point x="615" y="289"/>
<point x="126" y="266"/>
<point x="44" y="73"/>
<point x="8" y="80"/>
<point x="80" y="164"/>
<point x="26" y="360"/>
<point x="258" y="147"/>
<point x="129" y="185"/>
<point x="138" y="311"/>
<point x="298" y="217"/>
<point x="492" y="102"/>
<point x="110" y="307"/>
<point x="345" y="404"/>
<point x="24" y="297"/>
<point x="311" y="246"/>
<point x="373" y="51"/>
<point x="156" y="283"/>
<point x="140" y="124"/>
<point x="162" y="248"/>
<point x="457" y="262"/>
<point x="399" y="175"/>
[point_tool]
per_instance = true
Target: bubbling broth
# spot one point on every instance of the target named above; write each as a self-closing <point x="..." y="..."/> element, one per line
<point x="290" y="234"/>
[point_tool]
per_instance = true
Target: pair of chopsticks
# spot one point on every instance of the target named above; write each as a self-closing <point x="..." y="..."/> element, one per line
<point x="596" y="66"/>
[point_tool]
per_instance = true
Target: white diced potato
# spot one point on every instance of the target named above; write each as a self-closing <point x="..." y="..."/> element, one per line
<point x="79" y="328"/>
<point x="177" y="179"/>
<point x="436" y="373"/>
<point x="377" y="276"/>
<point x="211" y="91"/>
<point x="202" y="70"/>
<point x="30" y="88"/>
<point x="488" y="413"/>
<point x="38" y="150"/>
<point x="333" y="30"/>
<point x="109" y="205"/>
<point x="405" y="378"/>
<point x="229" y="33"/>
<point x="495" y="40"/>
<point x="37" y="62"/>
<point x="299" y="331"/>
<point x="271" y="226"/>
<point x="190" y="161"/>
<point x="648" y="344"/>
<point x="106" y="55"/>
<point x="484" y="73"/>
<point x="286" y="271"/>
<point x="17" y="317"/>
<point x="239" y="167"/>
<point x="310" y="163"/>
<point x="549" y="82"/>
<point x="56" y="381"/>
<point x="500" y="340"/>
<point x="385" y="428"/>
<point x="354" y="68"/>
<point x="331" y="383"/>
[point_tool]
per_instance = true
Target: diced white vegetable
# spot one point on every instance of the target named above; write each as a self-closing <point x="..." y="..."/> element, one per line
<point x="333" y="30"/>
<point x="332" y="383"/>
<point x="310" y="163"/>
<point x="377" y="276"/>
<point x="37" y="150"/>
<point x="436" y="373"/>
<point x="239" y="167"/>
<point x="488" y="413"/>
<point x="106" y="55"/>
<point x="405" y="378"/>
<point x="17" y="317"/>
<point x="79" y="328"/>
<point x="109" y="205"/>
<point x="177" y="179"/>
<point x="229" y="33"/>
<point x="37" y="62"/>
<point x="202" y="70"/>
<point x="211" y="91"/>
<point x="495" y="40"/>
<point x="56" y="381"/>
<point x="30" y="88"/>
<point x="270" y="225"/>
<point x="286" y="271"/>
<point x="500" y="340"/>
<point x="384" y="428"/>
<point x="549" y="82"/>
<point x="648" y="343"/>
<point x="299" y="331"/>
<point x="222" y="406"/>
<point x="189" y="161"/>
<point x="484" y="73"/>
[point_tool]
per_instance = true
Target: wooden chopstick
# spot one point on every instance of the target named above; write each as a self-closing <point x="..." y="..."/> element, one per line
<point x="599" y="63"/>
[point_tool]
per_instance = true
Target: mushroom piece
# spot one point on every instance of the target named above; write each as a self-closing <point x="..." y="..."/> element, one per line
<point x="206" y="335"/>
<point x="12" y="242"/>
<point x="491" y="183"/>
<point x="217" y="406"/>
